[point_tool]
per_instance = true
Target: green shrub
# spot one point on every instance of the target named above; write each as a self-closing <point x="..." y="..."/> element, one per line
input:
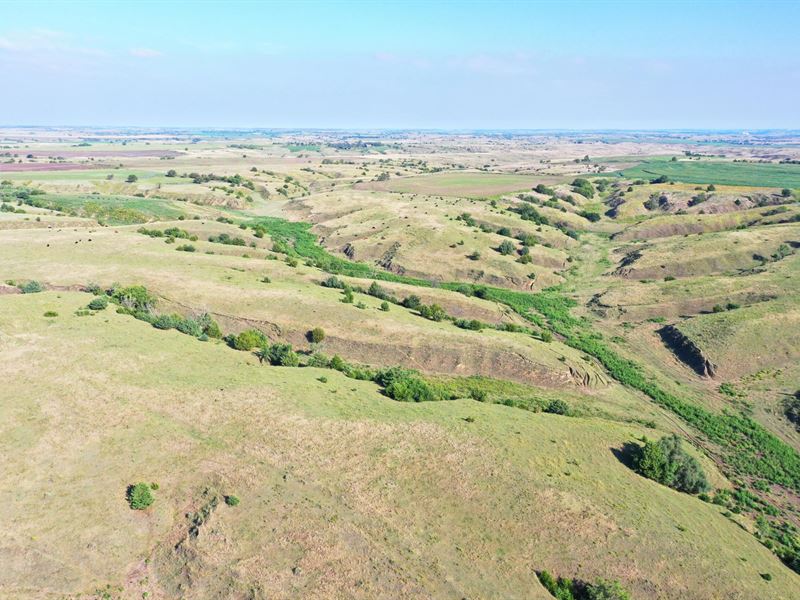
<point x="333" y="282"/>
<point x="568" y="589"/>
<point x="506" y="247"/>
<point x="410" y="389"/>
<point x="583" y="187"/>
<point x="316" y="335"/>
<point x="385" y="306"/>
<point x="139" y="496"/>
<point x="166" y="321"/>
<point x="337" y="363"/>
<point x="189" y="327"/>
<point x="135" y="297"/>
<point x="32" y="287"/>
<point x="319" y="360"/>
<point x="224" y="238"/>
<point x="434" y="312"/>
<point x="478" y="394"/>
<point x="99" y="303"/>
<point x="282" y="355"/>
<point x="557" y="407"/>
<point x="377" y="291"/>
<point x="209" y="326"/>
<point x="472" y="324"/>
<point x="668" y="463"/>
<point x="413" y="302"/>
<point x="603" y="589"/>
<point x="51" y="313"/>
<point x="404" y="385"/>
<point x="231" y="500"/>
<point x="248" y="339"/>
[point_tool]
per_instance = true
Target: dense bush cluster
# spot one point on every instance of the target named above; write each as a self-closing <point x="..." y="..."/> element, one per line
<point x="666" y="462"/>
<point x="433" y="312"/>
<point x="278" y="355"/>
<point x="224" y="238"/>
<point x="171" y="232"/>
<point x="584" y="187"/>
<point x="574" y="589"/>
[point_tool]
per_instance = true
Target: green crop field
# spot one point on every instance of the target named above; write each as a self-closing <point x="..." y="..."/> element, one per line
<point x="717" y="172"/>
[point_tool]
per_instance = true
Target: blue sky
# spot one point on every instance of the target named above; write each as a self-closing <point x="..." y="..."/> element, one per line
<point x="522" y="65"/>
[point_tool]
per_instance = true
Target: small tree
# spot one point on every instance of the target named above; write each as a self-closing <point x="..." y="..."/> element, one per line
<point x="652" y="462"/>
<point x="132" y="178"/>
<point x="172" y="173"/>
<point x="316" y="335"/>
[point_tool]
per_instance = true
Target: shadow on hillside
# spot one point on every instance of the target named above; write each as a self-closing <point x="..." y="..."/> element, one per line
<point x="627" y="454"/>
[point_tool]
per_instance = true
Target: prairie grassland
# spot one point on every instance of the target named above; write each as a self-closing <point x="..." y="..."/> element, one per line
<point x="344" y="492"/>
<point x="423" y="236"/>
<point x="336" y="482"/>
<point x="703" y="254"/>
<point x="229" y="285"/>
<point x="462" y="184"/>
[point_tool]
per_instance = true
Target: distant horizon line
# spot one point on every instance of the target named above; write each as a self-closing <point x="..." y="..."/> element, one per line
<point x="740" y="130"/>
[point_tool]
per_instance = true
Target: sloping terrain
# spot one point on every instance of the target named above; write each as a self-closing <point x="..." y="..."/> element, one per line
<point x="500" y="330"/>
<point x="343" y="492"/>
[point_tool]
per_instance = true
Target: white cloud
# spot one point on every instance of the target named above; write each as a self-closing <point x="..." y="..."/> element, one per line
<point x="145" y="53"/>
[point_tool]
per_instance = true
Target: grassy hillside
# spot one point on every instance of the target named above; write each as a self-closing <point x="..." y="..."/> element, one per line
<point x="539" y="317"/>
<point x="336" y="483"/>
